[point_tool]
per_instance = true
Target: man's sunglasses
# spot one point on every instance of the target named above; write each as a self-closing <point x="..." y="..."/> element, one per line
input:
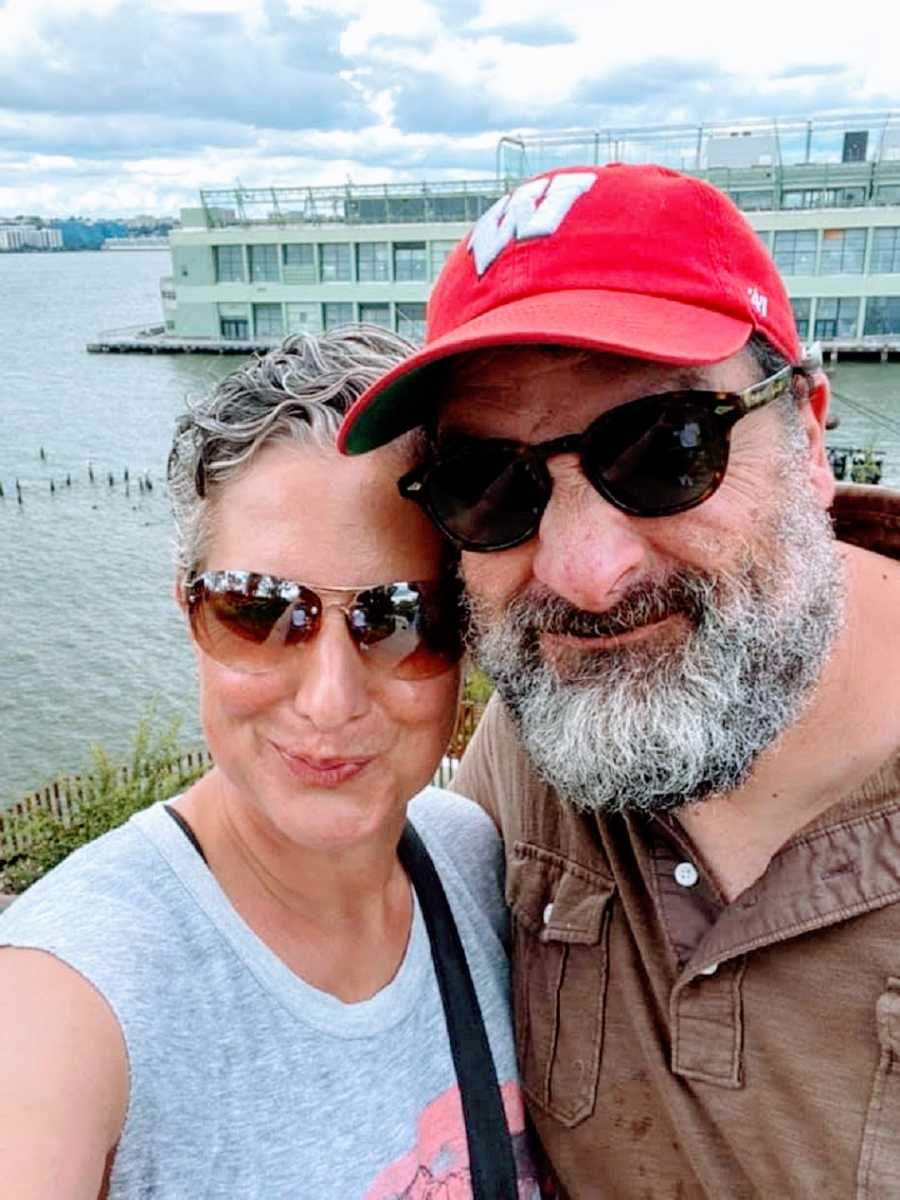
<point x="248" y="621"/>
<point x="651" y="457"/>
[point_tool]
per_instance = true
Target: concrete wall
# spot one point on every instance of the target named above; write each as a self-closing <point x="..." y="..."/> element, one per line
<point x="192" y="265"/>
<point x="196" y="320"/>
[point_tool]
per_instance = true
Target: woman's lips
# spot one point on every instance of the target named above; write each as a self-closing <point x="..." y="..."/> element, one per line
<point x="322" y="772"/>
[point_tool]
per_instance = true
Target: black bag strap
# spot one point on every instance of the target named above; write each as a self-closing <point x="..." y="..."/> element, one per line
<point x="491" y="1159"/>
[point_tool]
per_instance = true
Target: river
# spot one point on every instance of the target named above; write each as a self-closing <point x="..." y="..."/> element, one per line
<point x="91" y="637"/>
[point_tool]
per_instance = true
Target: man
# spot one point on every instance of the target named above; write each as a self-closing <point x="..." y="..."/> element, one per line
<point x="696" y="760"/>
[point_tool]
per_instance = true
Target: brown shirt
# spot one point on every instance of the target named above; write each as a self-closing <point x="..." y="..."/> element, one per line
<point x="674" y="1045"/>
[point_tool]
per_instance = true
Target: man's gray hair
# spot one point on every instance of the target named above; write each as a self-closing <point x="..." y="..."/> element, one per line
<point x="298" y="392"/>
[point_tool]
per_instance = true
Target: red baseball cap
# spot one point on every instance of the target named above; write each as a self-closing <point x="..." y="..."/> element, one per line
<point x="633" y="260"/>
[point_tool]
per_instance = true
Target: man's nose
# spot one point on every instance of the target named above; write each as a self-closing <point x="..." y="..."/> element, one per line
<point x="588" y="551"/>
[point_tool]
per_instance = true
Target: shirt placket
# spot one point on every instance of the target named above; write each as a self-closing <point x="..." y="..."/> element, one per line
<point x="705" y="1008"/>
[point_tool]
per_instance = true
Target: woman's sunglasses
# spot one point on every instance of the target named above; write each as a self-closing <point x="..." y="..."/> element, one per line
<point x="651" y="457"/>
<point x="247" y="621"/>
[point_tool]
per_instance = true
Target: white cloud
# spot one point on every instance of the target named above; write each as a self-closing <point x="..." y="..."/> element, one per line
<point x="116" y="106"/>
<point x="411" y="20"/>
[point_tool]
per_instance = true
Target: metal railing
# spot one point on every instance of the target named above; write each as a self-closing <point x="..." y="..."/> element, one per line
<point x="359" y="204"/>
<point x="147" y="329"/>
<point x="843" y="160"/>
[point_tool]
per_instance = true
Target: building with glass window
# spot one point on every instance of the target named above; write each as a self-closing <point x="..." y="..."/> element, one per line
<point x="823" y="194"/>
<point x="22" y="236"/>
<point x="253" y="264"/>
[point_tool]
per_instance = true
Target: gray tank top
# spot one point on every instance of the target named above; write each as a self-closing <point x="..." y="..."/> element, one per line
<point x="245" y="1081"/>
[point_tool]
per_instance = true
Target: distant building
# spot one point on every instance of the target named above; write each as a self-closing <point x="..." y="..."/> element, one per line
<point x="254" y="264"/>
<point x="823" y="194"/>
<point x="29" y="237"/>
<point x="250" y="265"/>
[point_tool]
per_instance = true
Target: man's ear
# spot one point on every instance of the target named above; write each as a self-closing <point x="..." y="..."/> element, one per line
<point x="815" y="414"/>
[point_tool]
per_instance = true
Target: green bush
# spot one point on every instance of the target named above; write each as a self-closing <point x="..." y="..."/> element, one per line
<point x="478" y="687"/>
<point x="112" y="791"/>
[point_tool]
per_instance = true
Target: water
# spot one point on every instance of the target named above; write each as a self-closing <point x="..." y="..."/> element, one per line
<point x="866" y="397"/>
<point x="90" y="632"/>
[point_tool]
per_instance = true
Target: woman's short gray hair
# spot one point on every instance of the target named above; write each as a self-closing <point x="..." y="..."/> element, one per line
<point x="298" y="392"/>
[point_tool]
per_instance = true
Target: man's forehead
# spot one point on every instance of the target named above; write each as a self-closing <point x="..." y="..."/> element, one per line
<point x="512" y="376"/>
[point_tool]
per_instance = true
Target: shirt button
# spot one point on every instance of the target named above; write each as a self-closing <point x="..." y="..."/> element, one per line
<point x="686" y="874"/>
<point x="548" y="913"/>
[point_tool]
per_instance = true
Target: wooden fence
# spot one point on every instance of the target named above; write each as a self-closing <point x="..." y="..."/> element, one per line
<point x="63" y="796"/>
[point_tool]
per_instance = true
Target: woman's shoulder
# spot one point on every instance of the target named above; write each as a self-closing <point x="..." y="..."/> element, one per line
<point x="465" y="846"/>
<point x="442" y="812"/>
<point x="98" y="867"/>
<point x="106" y="899"/>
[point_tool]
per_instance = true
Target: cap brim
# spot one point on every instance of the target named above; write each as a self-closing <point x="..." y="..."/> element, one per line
<point x="639" y="326"/>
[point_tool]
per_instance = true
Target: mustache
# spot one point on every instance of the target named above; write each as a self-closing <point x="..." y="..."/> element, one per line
<point x="683" y="593"/>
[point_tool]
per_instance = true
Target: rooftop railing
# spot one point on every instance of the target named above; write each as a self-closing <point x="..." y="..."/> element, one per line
<point x="841" y="160"/>
<point x="357" y="204"/>
<point x="776" y="142"/>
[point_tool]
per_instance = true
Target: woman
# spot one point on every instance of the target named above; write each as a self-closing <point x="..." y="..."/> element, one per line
<point x="233" y="995"/>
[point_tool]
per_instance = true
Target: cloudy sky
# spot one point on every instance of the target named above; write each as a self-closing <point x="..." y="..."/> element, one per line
<point x="112" y="107"/>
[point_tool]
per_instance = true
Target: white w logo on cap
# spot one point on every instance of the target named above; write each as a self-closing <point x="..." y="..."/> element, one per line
<point x="536" y="209"/>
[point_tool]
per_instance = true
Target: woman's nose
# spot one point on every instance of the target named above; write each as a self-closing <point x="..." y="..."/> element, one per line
<point x="332" y="682"/>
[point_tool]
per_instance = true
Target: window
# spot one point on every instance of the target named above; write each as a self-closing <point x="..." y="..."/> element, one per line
<point x="304" y="318"/>
<point x="440" y="252"/>
<point x="268" y="321"/>
<point x="229" y="264"/>
<point x="411" y="321"/>
<point x="882" y="315"/>
<point x="263" y="264"/>
<point x="449" y="208"/>
<point x="885" y="251"/>
<point x="795" y="251"/>
<point x="753" y="201"/>
<point x="373" y="262"/>
<point x="299" y="263"/>
<point x="234" y="321"/>
<point x="338" y="314"/>
<point x="410" y="262"/>
<point x="837" y="318"/>
<point x="801" y="309"/>
<point x="796" y="199"/>
<point x="375" y="314"/>
<point x="334" y="262"/>
<point x="846" y="197"/>
<point x="234" y="329"/>
<point x="843" y="251"/>
<point x="851" y="197"/>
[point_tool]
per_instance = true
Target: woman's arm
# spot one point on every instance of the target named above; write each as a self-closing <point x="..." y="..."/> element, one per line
<point x="63" y="1080"/>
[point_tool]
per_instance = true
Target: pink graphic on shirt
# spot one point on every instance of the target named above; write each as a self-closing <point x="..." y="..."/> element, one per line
<point x="437" y="1168"/>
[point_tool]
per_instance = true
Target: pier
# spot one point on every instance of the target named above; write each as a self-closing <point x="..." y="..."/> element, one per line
<point x="871" y="349"/>
<point x="153" y="339"/>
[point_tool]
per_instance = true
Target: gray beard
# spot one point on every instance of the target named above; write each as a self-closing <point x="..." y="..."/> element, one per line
<point x="650" y="729"/>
